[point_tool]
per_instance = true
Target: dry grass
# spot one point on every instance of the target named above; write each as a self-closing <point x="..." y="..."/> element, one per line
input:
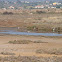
<point x="25" y="42"/>
<point x="50" y="51"/>
<point x="39" y="42"/>
<point x="7" y="53"/>
<point x="43" y="22"/>
<point x="30" y="59"/>
<point x="20" y="42"/>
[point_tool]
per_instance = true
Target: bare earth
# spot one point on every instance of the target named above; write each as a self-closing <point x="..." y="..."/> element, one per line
<point x="29" y="49"/>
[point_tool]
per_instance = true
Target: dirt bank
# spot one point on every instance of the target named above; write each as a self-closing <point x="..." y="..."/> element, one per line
<point x="29" y="49"/>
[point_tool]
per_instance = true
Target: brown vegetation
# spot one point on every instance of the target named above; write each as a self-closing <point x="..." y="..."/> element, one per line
<point x="33" y="48"/>
<point x="7" y="13"/>
<point x="50" y="51"/>
<point x="25" y="42"/>
<point x="7" y="53"/>
<point x="30" y="59"/>
<point x="20" y="42"/>
<point x="43" y="22"/>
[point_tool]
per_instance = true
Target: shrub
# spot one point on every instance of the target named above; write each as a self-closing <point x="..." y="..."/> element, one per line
<point x="7" y="13"/>
<point x="7" y="53"/>
<point x="30" y="59"/>
<point x="20" y="42"/>
<point x="50" y="51"/>
<point x="39" y="12"/>
<point x="32" y="28"/>
<point x="39" y="42"/>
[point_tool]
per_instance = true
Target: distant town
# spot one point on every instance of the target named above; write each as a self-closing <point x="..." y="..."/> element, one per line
<point x="29" y="5"/>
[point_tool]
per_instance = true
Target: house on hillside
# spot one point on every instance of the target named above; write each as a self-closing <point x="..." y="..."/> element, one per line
<point x="4" y="9"/>
<point x="39" y="6"/>
<point x="11" y="7"/>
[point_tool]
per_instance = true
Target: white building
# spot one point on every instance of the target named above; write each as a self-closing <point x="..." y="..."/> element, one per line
<point x="11" y="7"/>
<point x="39" y="6"/>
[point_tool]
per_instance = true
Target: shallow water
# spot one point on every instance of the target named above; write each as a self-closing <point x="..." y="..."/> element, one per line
<point x="28" y="33"/>
<point x="14" y="30"/>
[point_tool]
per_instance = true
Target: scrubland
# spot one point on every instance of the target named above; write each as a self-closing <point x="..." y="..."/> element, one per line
<point x="20" y="48"/>
<point x="43" y="20"/>
<point x="23" y="48"/>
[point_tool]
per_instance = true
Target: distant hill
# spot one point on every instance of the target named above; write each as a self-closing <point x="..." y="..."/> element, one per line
<point x="31" y="0"/>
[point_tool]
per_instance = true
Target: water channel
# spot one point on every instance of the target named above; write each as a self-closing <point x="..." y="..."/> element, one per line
<point x="15" y="32"/>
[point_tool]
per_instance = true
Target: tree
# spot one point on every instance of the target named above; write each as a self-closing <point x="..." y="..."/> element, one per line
<point x="18" y="1"/>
